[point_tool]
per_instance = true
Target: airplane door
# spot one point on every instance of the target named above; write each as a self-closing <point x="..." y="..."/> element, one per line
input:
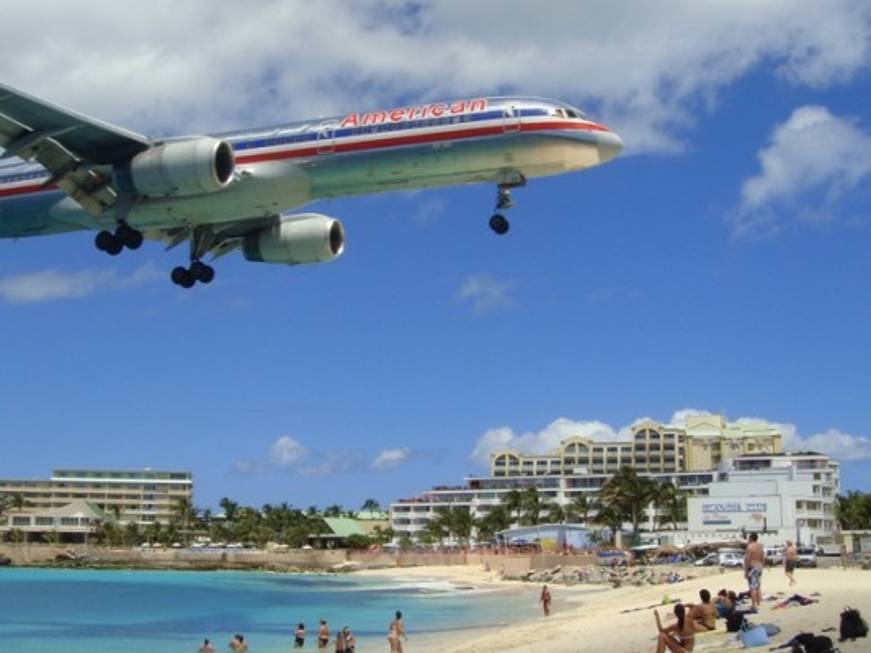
<point x="327" y="138"/>
<point x="511" y="119"/>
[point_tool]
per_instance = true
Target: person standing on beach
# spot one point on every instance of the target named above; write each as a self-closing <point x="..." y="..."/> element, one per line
<point x="754" y="563"/>
<point x="206" y="647"/>
<point x="340" y="642"/>
<point x="396" y="633"/>
<point x="545" y="600"/>
<point x="790" y="560"/>
<point x="843" y="556"/>
<point x="323" y="634"/>
<point x="299" y="636"/>
<point x="350" y="640"/>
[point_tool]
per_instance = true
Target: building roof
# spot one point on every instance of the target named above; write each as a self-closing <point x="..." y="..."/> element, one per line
<point x="344" y="526"/>
<point x="371" y="515"/>
<point x="77" y="509"/>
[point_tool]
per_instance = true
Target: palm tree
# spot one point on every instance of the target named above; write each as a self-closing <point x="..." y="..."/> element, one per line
<point x="670" y="503"/>
<point x="556" y="514"/>
<point x="18" y="501"/>
<point x="628" y="493"/>
<point x="532" y="507"/>
<point x="460" y="524"/>
<point x="579" y="508"/>
<point x="496" y="520"/>
<point x="229" y="507"/>
<point x="611" y="517"/>
<point x="334" y="510"/>
<point x="115" y="509"/>
<point x="184" y="514"/>
<point x="371" y="505"/>
<point x="853" y="510"/>
<point x="513" y="502"/>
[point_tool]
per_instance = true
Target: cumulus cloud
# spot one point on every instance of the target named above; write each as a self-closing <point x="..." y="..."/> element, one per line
<point x="545" y="440"/>
<point x="485" y="293"/>
<point x="285" y="451"/>
<point x="52" y="284"/>
<point x="832" y="442"/>
<point x="813" y="160"/>
<point x="390" y="458"/>
<point x="646" y="67"/>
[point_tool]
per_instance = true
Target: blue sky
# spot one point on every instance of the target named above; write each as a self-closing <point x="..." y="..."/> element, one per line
<point x="721" y="264"/>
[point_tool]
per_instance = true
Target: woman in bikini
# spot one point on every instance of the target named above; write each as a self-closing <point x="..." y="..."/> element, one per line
<point x="323" y="634"/>
<point x="396" y="633"/>
<point x="679" y="637"/>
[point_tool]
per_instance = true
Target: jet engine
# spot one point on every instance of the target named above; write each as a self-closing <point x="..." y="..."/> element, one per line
<point x="184" y="167"/>
<point x="294" y="239"/>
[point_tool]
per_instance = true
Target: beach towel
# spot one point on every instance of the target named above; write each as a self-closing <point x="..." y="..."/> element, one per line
<point x="752" y="636"/>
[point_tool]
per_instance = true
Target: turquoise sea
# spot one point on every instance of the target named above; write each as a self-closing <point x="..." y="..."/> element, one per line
<point x="97" y="611"/>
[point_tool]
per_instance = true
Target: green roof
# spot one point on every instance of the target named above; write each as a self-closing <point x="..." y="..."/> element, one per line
<point x="344" y="526"/>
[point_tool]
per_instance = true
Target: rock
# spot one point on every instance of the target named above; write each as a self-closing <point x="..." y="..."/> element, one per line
<point x="5" y="561"/>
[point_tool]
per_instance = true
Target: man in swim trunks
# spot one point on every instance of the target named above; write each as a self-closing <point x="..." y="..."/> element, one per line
<point x="545" y="600"/>
<point x="299" y="636"/>
<point x="754" y="563"/>
<point x="790" y="560"/>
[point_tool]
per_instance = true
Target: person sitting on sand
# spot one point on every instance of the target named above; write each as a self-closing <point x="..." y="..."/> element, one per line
<point x="323" y="634"/>
<point x="396" y="633"/>
<point x="299" y="636"/>
<point x="724" y="604"/>
<point x="238" y="645"/>
<point x="703" y="614"/>
<point x="679" y="637"/>
<point x="545" y="600"/>
<point x="206" y="647"/>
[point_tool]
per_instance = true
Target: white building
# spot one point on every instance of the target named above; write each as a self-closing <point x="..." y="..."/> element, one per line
<point x="780" y="496"/>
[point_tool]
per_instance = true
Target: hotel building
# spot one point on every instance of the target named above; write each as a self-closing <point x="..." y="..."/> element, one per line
<point x="135" y="496"/>
<point x="686" y="455"/>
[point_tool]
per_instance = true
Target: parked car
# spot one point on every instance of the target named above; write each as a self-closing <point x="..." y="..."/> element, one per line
<point x="807" y="556"/>
<point x="774" y="555"/>
<point x="709" y="560"/>
<point x="731" y="559"/>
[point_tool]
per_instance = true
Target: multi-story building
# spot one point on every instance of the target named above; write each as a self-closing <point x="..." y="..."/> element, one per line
<point x="782" y="496"/>
<point x="139" y="496"/>
<point x="687" y="455"/>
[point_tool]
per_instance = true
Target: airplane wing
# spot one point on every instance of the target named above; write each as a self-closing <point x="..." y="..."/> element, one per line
<point x="68" y="144"/>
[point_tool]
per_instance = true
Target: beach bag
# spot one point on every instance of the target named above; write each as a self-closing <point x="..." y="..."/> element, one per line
<point x="852" y="624"/>
<point x="734" y="621"/>
<point x="753" y="636"/>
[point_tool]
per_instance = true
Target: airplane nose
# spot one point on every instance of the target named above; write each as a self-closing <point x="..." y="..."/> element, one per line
<point x="610" y="146"/>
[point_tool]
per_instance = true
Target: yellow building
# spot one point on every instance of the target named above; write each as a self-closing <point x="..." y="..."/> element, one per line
<point x="140" y="496"/>
<point x="699" y="445"/>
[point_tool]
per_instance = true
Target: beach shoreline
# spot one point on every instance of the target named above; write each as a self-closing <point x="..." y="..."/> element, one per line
<point x="586" y="619"/>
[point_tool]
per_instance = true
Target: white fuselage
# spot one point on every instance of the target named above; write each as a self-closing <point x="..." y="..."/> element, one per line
<point x="282" y="168"/>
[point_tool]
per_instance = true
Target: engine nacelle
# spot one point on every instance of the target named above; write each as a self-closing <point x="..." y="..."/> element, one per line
<point x="304" y="238"/>
<point x="186" y="167"/>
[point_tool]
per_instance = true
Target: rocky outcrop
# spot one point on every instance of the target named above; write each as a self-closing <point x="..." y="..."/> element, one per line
<point x="5" y="561"/>
<point x="601" y="575"/>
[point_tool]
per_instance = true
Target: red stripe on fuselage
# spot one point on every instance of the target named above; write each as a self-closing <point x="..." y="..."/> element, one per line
<point x="330" y="146"/>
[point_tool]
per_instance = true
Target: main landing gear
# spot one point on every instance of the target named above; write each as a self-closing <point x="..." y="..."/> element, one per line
<point x="202" y="239"/>
<point x="124" y="236"/>
<point x="505" y="182"/>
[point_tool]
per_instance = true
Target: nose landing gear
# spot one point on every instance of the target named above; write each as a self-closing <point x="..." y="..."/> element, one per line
<point x="504" y="183"/>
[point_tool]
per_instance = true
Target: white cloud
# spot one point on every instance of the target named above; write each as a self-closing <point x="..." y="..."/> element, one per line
<point x="285" y="451"/>
<point x="648" y="67"/>
<point x="390" y="458"/>
<point x="833" y="442"/>
<point x="547" y="439"/>
<point x="812" y="153"/>
<point x="485" y="293"/>
<point x="247" y="467"/>
<point x="51" y="284"/>
<point x="339" y="461"/>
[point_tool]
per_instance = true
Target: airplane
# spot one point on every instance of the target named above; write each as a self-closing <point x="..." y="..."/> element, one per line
<point x="62" y="171"/>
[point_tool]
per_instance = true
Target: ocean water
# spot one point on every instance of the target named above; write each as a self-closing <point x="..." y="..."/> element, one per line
<point x="97" y="611"/>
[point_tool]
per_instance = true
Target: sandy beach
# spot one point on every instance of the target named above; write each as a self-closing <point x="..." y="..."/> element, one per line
<point x="587" y="621"/>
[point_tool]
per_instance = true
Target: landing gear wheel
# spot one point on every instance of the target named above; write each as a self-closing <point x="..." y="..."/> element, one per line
<point x="107" y="242"/>
<point x="499" y="224"/>
<point x="181" y="277"/>
<point x="202" y="272"/>
<point x="130" y="237"/>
